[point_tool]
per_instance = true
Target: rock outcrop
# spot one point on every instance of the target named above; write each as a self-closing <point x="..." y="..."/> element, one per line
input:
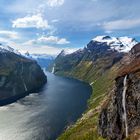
<point x="18" y="76"/>
<point x="121" y="115"/>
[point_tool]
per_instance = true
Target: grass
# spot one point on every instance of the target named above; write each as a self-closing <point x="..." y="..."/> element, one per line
<point x="86" y="128"/>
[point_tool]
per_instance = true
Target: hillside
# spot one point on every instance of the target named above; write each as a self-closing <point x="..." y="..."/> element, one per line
<point x="98" y="64"/>
<point x="18" y="75"/>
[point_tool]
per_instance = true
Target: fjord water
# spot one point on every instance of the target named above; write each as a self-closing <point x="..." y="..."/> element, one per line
<point x="44" y="115"/>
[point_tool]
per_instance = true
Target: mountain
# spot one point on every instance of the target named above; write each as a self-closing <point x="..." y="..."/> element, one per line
<point x="5" y="48"/>
<point x="18" y="75"/>
<point x="121" y="44"/>
<point x="120" y="115"/>
<point x="97" y="64"/>
<point x="102" y="48"/>
<point x="44" y="60"/>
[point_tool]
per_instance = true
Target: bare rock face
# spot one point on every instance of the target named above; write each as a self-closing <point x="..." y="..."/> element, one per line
<point x="121" y="116"/>
<point x="18" y="76"/>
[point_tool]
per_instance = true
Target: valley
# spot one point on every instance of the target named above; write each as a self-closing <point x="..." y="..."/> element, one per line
<point x="69" y="70"/>
<point x="98" y="64"/>
<point x="108" y="67"/>
<point x="44" y="114"/>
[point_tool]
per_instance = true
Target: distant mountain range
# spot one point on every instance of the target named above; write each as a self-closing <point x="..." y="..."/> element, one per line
<point x="44" y="60"/>
<point x="111" y="66"/>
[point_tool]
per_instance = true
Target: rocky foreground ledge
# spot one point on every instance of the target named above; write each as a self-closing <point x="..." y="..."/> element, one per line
<point x="18" y="76"/>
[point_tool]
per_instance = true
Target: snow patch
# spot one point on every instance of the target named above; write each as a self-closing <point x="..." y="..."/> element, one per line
<point x="120" y="44"/>
<point x="68" y="51"/>
<point x="5" y="48"/>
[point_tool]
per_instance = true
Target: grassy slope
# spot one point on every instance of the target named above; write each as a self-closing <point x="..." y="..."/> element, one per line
<point x="86" y="127"/>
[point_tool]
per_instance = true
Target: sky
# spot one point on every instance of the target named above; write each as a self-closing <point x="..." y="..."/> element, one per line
<point x="48" y="26"/>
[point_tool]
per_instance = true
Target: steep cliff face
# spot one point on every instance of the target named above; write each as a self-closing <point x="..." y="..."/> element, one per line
<point x="120" y="117"/>
<point x="18" y="76"/>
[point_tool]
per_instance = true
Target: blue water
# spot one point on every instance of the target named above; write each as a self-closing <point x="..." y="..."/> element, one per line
<point x="44" y="115"/>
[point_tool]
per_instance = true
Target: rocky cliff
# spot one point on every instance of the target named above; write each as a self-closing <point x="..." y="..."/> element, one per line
<point x="18" y="76"/>
<point x="120" y="116"/>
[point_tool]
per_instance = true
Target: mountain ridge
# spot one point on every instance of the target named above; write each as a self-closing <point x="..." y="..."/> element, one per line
<point x="98" y="65"/>
<point x="18" y="76"/>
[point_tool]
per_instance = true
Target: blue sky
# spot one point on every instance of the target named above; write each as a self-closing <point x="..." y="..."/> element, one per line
<point x="48" y="26"/>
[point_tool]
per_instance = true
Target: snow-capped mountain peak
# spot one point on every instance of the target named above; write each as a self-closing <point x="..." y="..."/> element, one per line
<point x="68" y="51"/>
<point x="120" y="44"/>
<point x="5" y="48"/>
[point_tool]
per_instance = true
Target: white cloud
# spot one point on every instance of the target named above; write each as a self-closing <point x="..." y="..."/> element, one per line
<point x="47" y="40"/>
<point x="30" y="42"/>
<point x="55" y="21"/>
<point x="32" y="47"/>
<point x="10" y="43"/>
<point x="55" y="3"/>
<point x="9" y="34"/>
<point x="34" y="21"/>
<point x="53" y="40"/>
<point x="3" y="40"/>
<point x="121" y="24"/>
<point x="94" y="0"/>
<point x="45" y="49"/>
<point x="108" y="32"/>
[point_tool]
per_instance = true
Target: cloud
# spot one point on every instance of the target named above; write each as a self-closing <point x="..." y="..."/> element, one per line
<point x="47" y="50"/>
<point x="9" y="34"/>
<point x="31" y="48"/>
<point x="10" y="43"/>
<point x="34" y="21"/>
<point x="51" y="50"/>
<point x="94" y="0"/>
<point x="121" y="24"/>
<point x="47" y="40"/>
<point x="30" y="42"/>
<point x="55" y="21"/>
<point x="55" y="3"/>
<point x="44" y="49"/>
<point x="53" y="40"/>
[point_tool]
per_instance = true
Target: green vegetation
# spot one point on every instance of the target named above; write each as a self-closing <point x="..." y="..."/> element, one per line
<point x="86" y="128"/>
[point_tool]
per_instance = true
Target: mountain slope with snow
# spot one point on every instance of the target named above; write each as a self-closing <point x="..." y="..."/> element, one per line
<point x="5" y="48"/>
<point x="120" y="44"/>
<point x="108" y="49"/>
